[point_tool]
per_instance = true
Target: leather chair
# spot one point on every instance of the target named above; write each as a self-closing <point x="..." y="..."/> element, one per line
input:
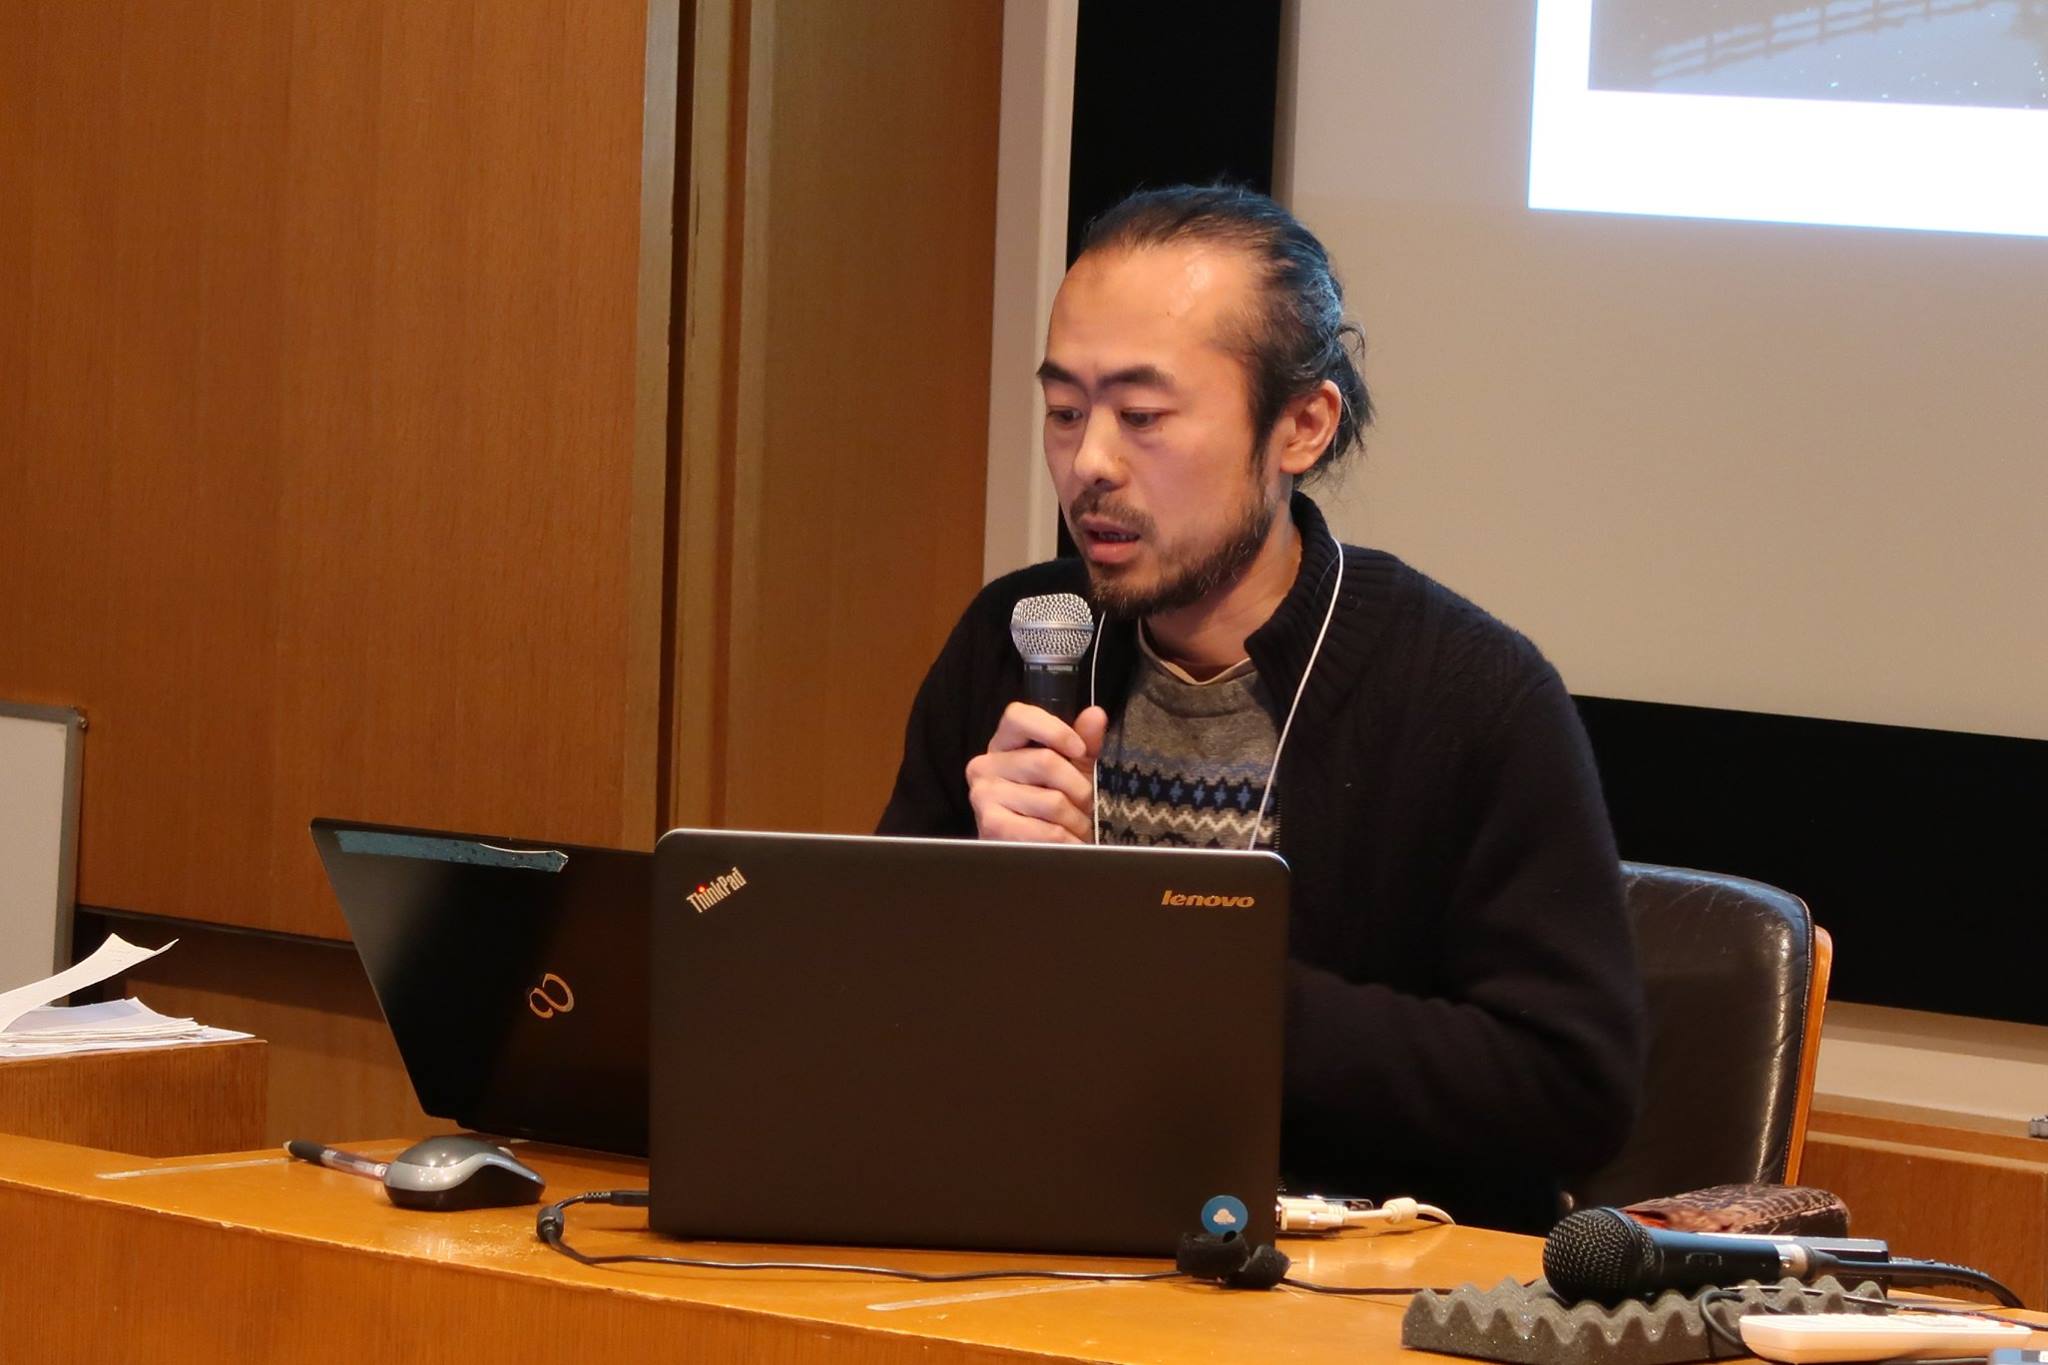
<point x="1735" y="975"/>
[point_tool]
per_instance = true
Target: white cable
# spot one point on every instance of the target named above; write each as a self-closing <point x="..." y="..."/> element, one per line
<point x="1266" y="796"/>
<point x="1095" y="764"/>
<point x="1313" y="1213"/>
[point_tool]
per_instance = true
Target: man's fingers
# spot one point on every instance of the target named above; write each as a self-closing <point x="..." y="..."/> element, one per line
<point x="1091" y="725"/>
<point x="1022" y="829"/>
<point x="1051" y="807"/>
<point x="1024" y="725"/>
<point x="1008" y="810"/>
<point x="1033" y="768"/>
<point x="1034" y="782"/>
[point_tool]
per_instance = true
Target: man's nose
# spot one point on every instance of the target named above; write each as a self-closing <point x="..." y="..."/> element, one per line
<point x="1097" y="460"/>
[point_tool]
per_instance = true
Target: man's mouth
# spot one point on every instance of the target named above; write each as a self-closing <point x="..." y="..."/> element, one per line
<point x="1106" y="544"/>
<point x="1103" y="531"/>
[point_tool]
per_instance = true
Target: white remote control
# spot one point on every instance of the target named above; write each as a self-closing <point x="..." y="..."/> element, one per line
<point x="1805" y="1337"/>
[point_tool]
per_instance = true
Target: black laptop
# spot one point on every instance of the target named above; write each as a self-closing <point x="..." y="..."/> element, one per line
<point x="513" y="975"/>
<point x="942" y="1043"/>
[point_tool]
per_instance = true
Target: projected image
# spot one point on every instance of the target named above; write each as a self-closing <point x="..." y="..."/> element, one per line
<point x="1985" y="52"/>
<point x="1927" y="114"/>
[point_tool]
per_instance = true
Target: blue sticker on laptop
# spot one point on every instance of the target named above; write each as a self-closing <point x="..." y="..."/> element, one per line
<point x="1225" y="1213"/>
<point x="383" y="845"/>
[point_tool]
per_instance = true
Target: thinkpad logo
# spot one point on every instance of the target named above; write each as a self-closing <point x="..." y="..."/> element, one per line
<point x="715" y="890"/>
<point x="1172" y="897"/>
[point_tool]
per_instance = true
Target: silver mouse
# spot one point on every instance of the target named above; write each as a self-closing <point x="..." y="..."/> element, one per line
<point x="460" y="1172"/>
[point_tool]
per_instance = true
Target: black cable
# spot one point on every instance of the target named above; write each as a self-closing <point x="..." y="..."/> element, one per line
<point x="1314" y="1288"/>
<point x="549" y="1227"/>
<point x="1716" y="1329"/>
<point x="1934" y="1272"/>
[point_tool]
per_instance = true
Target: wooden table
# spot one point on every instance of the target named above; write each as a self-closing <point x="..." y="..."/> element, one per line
<point x="1938" y="1185"/>
<point x="205" y="1097"/>
<point x="249" y="1256"/>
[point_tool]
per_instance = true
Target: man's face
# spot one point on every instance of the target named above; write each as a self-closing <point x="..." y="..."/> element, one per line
<point x="1148" y="431"/>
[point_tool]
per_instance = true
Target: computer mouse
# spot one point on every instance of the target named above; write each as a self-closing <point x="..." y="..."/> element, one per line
<point x="460" y="1172"/>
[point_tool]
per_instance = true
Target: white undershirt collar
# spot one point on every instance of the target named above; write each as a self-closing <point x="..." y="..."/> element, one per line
<point x="1179" y="674"/>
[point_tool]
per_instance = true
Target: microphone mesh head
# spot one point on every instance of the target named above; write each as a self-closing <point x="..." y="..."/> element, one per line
<point x="1052" y="629"/>
<point x="1599" y="1254"/>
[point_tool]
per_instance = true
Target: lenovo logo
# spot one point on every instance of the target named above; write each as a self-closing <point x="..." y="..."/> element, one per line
<point x="1179" y="898"/>
<point x="715" y="890"/>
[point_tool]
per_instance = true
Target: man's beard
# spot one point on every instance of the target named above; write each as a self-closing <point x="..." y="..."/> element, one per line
<point x="1184" y="583"/>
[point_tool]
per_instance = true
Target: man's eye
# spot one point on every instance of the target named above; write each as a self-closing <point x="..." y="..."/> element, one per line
<point x="1063" y="417"/>
<point x="1139" y="420"/>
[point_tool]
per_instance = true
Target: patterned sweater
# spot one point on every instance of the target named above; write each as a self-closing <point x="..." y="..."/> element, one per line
<point x="1185" y="765"/>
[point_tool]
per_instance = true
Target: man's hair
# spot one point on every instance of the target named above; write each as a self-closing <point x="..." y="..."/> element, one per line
<point x="1299" y="337"/>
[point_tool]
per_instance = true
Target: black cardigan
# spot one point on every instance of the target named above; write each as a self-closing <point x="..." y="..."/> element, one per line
<point x="1464" y="1015"/>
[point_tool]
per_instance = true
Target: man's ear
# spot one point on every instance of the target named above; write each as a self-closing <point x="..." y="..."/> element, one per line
<point x="1305" y="429"/>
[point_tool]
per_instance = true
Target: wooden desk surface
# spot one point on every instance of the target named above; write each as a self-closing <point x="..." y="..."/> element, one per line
<point x="1886" y="1122"/>
<point x="251" y="1256"/>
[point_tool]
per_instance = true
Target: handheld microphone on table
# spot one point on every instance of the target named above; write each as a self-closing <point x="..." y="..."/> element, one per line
<point x="1052" y="633"/>
<point x="1605" y="1256"/>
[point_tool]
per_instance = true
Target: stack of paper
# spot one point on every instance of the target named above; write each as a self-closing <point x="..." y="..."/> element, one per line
<point x="114" y="1026"/>
<point x="30" y="1026"/>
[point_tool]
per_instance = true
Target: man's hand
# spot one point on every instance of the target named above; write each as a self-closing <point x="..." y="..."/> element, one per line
<point x="1036" y="782"/>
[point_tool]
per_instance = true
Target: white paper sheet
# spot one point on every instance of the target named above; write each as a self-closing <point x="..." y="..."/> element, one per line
<point x="111" y="958"/>
<point x="115" y="1026"/>
<point x="10" y="1050"/>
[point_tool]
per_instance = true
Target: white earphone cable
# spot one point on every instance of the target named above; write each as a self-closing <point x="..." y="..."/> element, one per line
<point x="1273" y="773"/>
<point x="1095" y="766"/>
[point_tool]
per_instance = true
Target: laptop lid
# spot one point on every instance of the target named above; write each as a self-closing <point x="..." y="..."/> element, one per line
<point x="950" y="1043"/>
<point x="513" y="975"/>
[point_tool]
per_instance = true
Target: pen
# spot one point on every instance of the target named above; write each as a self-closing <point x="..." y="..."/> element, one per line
<point x="335" y="1159"/>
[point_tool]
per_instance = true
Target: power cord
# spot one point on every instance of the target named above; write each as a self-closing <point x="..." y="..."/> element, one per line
<point x="1361" y="1291"/>
<point x="549" y="1227"/>
<point x="1315" y="1213"/>
<point x="1227" y="1260"/>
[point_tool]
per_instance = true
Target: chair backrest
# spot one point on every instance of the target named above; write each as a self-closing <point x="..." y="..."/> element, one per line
<point x="1734" y="988"/>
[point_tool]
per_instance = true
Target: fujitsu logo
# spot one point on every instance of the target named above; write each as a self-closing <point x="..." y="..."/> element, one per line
<point x="1172" y="897"/>
<point x="715" y="890"/>
<point x="551" y="997"/>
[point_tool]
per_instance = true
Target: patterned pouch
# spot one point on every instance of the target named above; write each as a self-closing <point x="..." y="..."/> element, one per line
<point x="1789" y="1210"/>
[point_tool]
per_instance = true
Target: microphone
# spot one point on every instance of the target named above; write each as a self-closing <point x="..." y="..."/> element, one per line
<point x="1606" y="1256"/>
<point x="1052" y="632"/>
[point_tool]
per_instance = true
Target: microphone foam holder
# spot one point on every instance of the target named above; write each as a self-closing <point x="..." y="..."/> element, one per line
<point x="1526" y="1324"/>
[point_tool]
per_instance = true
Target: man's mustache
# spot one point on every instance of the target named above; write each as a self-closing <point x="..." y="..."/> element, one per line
<point x="1093" y="502"/>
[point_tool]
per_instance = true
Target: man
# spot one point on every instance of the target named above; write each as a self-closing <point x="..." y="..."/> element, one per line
<point x="1464" y="1019"/>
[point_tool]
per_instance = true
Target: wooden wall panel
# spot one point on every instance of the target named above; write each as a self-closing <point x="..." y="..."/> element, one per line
<point x="333" y="1069"/>
<point x="834" y="393"/>
<point x="172" y="1101"/>
<point x="329" y="480"/>
<point x="1940" y="1186"/>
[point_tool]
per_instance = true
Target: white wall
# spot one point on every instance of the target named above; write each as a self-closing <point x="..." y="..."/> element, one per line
<point x="1972" y="1066"/>
<point x="40" y="758"/>
<point x="1031" y="257"/>
<point x="1748" y="465"/>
